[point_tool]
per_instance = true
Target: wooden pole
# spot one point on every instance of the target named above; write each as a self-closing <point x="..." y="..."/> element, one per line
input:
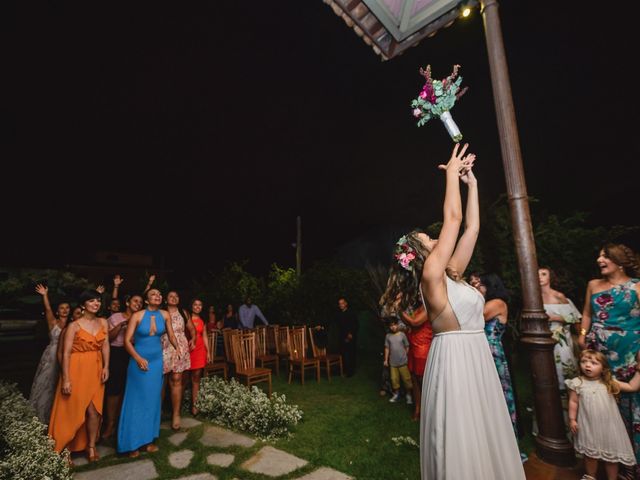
<point x="551" y="442"/>
<point x="299" y="246"/>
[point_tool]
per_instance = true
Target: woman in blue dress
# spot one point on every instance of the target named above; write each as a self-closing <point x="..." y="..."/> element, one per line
<point x="496" y="313"/>
<point x="611" y="325"/>
<point x="139" y="422"/>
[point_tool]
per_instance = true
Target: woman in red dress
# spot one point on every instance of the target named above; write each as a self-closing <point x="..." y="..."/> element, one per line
<point x="200" y="354"/>
<point x="420" y="335"/>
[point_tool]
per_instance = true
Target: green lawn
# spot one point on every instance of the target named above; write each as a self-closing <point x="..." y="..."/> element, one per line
<point x="347" y="425"/>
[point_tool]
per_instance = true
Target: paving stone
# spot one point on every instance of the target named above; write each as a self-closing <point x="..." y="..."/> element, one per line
<point x="188" y="422"/>
<point x="180" y="459"/>
<point x="178" y="438"/>
<point x="325" y="473"/>
<point x="220" y="437"/>
<point x="220" y="459"/>
<point x="273" y="462"/>
<point x="185" y="422"/>
<point x="199" y="476"/>
<point x="80" y="458"/>
<point x="140" y="470"/>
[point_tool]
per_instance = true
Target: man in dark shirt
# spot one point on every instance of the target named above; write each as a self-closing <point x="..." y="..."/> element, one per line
<point x="348" y="328"/>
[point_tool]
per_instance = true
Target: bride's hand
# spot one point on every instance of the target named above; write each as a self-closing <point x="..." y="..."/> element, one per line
<point x="457" y="161"/>
<point x="466" y="174"/>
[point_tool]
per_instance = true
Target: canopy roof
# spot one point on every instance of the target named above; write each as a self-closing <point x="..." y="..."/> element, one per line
<point x="392" y="26"/>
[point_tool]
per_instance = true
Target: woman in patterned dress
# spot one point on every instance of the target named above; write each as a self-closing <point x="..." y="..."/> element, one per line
<point x="562" y="314"/>
<point x="496" y="316"/>
<point x="43" y="388"/>
<point x="177" y="360"/>
<point x="611" y="325"/>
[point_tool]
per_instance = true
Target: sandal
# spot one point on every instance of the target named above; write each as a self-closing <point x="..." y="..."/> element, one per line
<point x="92" y="457"/>
<point x="175" y="425"/>
<point x="134" y="454"/>
<point x="154" y="448"/>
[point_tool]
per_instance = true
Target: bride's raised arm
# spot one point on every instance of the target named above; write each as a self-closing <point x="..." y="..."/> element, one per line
<point x="438" y="259"/>
<point x="466" y="244"/>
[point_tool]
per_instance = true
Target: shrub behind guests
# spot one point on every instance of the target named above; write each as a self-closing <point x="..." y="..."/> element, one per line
<point x="26" y="451"/>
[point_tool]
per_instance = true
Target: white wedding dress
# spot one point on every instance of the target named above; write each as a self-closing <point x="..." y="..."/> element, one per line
<point x="465" y="430"/>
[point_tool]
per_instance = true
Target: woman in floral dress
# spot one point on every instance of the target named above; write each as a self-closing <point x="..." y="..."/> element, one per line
<point x="611" y="325"/>
<point x="177" y="360"/>
<point x="496" y="316"/>
<point x="562" y="314"/>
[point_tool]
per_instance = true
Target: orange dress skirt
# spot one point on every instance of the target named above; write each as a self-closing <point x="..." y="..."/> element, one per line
<point x="67" y="424"/>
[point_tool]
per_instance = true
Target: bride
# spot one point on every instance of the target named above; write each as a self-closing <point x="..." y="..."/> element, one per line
<point x="465" y="430"/>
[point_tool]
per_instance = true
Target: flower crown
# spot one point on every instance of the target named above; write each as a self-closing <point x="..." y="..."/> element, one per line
<point x="404" y="254"/>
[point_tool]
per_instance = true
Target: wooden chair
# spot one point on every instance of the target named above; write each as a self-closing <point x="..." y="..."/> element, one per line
<point x="263" y="357"/>
<point x="327" y="360"/>
<point x="244" y="351"/>
<point x="218" y="363"/>
<point x="272" y="339"/>
<point x="282" y="344"/>
<point x="227" y="334"/>
<point x="298" y="359"/>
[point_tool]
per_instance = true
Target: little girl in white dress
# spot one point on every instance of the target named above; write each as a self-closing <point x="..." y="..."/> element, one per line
<point x="594" y="417"/>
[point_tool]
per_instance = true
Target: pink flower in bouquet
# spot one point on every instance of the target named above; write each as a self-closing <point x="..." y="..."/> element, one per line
<point x="427" y="93"/>
<point x="417" y="112"/>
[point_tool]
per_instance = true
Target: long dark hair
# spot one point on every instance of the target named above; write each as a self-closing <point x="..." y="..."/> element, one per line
<point x="404" y="284"/>
<point x="495" y="287"/>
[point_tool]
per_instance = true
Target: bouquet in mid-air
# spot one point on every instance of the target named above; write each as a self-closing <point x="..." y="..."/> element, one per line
<point x="437" y="98"/>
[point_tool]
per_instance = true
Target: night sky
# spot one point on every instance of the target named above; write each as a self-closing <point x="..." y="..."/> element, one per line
<point x="200" y="132"/>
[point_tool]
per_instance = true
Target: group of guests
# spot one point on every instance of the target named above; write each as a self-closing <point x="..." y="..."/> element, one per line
<point x="105" y="372"/>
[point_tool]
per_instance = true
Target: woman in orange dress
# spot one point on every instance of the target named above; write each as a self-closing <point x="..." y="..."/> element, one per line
<point x="77" y="408"/>
<point x="420" y="335"/>
<point x="200" y="354"/>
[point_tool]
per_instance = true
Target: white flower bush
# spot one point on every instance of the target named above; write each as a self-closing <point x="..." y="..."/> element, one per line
<point x="399" y="441"/>
<point x="26" y="451"/>
<point x="249" y="410"/>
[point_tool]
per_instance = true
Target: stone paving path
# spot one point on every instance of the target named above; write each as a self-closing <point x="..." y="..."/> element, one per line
<point x="268" y="461"/>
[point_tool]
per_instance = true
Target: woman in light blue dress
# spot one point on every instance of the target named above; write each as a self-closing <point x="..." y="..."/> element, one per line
<point x="139" y="423"/>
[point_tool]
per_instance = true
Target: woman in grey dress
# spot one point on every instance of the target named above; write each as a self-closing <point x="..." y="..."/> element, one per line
<point x="46" y="377"/>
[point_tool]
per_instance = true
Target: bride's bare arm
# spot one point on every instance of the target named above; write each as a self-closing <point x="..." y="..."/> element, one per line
<point x="436" y="262"/>
<point x="464" y="249"/>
